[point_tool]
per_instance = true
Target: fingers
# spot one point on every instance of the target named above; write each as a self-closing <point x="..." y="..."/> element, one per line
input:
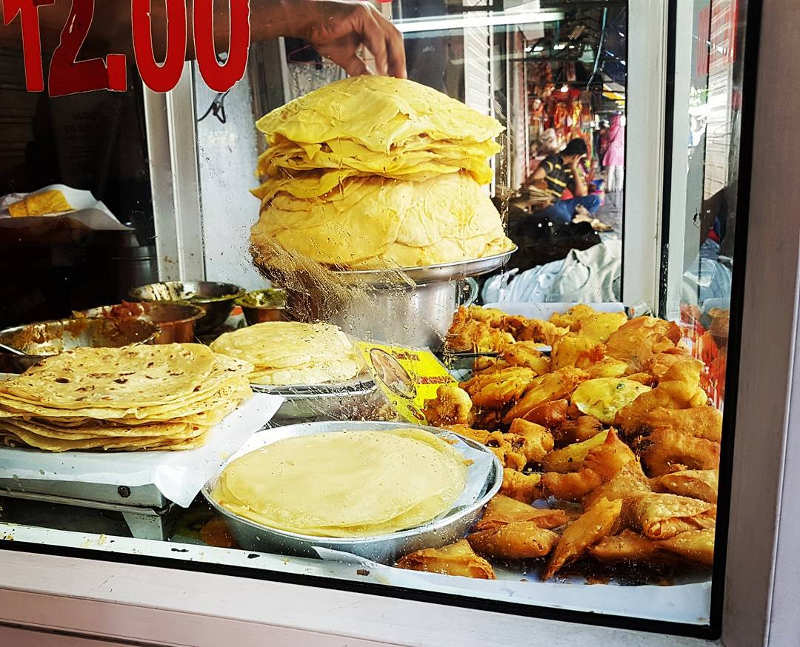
<point x="354" y="66"/>
<point x="396" y="52"/>
<point x="374" y="38"/>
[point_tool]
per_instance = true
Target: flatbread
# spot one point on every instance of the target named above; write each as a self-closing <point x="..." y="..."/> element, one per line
<point x="364" y="483"/>
<point x="290" y="352"/>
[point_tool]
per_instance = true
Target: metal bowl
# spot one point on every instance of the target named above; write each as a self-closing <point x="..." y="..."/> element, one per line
<point x="216" y="299"/>
<point x="43" y="339"/>
<point x="175" y="321"/>
<point x="255" y="312"/>
<point x="383" y="548"/>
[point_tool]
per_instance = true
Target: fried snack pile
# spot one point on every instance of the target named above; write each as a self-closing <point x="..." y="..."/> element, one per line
<point x="164" y="397"/>
<point x="375" y="172"/>
<point x="611" y="437"/>
<point x="291" y="353"/>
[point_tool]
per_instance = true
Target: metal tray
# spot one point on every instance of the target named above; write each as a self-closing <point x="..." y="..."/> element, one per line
<point x="384" y="548"/>
<point x="430" y="273"/>
<point x="342" y="401"/>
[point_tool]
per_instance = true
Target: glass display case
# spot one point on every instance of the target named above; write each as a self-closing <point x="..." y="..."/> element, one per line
<point x="590" y="479"/>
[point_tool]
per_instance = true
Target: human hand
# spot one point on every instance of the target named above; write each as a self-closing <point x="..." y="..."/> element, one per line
<point x="337" y="28"/>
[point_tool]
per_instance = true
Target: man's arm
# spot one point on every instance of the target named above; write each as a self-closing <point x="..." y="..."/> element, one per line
<point x="581" y="187"/>
<point x="336" y="29"/>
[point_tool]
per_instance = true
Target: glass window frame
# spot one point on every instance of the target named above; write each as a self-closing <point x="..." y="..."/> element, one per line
<point x="763" y="382"/>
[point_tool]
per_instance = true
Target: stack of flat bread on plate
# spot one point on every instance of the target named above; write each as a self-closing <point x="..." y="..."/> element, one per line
<point x="163" y="397"/>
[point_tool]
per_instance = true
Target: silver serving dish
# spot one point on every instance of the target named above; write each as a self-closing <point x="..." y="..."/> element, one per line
<point x="216" y="299"/>
<point x="410" y="307"/>
<point x="384" y="548"/>
<point x="358" y="398"/>
<point x="36" y="341"/>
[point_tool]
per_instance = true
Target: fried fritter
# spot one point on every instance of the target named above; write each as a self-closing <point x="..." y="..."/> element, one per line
<point x="537" y="442"/>
<point x="576" y="430"/>
<point x="665" y="450"/>
<point x="494" y="390"/>
<point x="527" y="355"/>
<point x="700" y="422"/>
<point x="679" y="389"/>
<point x="535" y="330"/>
<point x="451" y="406"/>
<point x="473" y="336"/>
<point x="522" y="487"/>
<point x="636" y="341"/>
<point x="550" y="386"/>
<point x="551" y="414"/>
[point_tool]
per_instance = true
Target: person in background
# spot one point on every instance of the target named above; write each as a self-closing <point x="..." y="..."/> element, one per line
<point x="337" y="29"/>
<point x="602" y="143"/>
<point x="561" y="172"/>
<point x="614" y="158"/>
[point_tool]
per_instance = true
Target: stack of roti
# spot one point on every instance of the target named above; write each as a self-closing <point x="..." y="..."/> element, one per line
<point x="364" y="483"/>
<point x="375" y="172"/>
<point x="292" y="353"/>
<point x="127" y="399"/>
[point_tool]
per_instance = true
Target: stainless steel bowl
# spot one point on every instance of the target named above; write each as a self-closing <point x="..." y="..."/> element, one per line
<point x="259" y="306"/>
<point x="216" y="299"/>
<point x="175" y="321"/>
<point x="43" y="339"/>
<point x="383" y="548"/>
<point x="410" y="307"/>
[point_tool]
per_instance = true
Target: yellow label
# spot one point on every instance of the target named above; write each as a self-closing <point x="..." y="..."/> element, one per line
<point x="407" y="376"/>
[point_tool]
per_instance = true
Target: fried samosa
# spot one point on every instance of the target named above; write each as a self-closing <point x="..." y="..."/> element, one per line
<point x="694" y="545"/>
<point x="502" y="510"/>
<point x="696" y="484"/>
<point x="628" y="546"/>
<point x="662" y="516"/>
<point x="597" y="522"/>
<point x="700" y="422"/>
<point x="453" y="559"/>
<point x="628" y="481"/>
<point x="515" y="540"/>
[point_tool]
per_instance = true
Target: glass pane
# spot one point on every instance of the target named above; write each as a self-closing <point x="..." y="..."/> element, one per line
<point x="594" y="424"/>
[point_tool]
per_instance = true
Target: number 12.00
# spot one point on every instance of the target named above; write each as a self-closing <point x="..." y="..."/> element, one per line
<point x="68" y="76"/>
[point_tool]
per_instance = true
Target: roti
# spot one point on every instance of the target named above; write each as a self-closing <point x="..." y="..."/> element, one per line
<point x="345" y="484"/>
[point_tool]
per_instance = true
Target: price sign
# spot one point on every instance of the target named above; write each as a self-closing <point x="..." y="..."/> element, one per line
<point x="68" y="75"/>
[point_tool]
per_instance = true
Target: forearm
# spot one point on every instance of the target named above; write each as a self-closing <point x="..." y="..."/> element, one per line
<point x="581" y="188"/>
<point x="111" y="29"/>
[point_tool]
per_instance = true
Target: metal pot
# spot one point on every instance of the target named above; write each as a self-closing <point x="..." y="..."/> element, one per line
<point x="216" y="299"/>
<point x="410" y="307"/>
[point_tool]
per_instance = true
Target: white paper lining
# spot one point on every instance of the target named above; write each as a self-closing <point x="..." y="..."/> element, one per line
<point x="178" y="475"/>
<point x="87" y="209"/>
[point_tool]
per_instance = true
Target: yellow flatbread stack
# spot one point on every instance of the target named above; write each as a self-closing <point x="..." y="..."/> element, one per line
<point x="292" y="353"/>
<point x="375" y="172"/>
<point x="364" y="483"/>
<point x="164" y="397"/>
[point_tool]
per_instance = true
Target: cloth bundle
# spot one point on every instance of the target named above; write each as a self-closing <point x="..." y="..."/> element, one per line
<point x="375" y="172"/>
